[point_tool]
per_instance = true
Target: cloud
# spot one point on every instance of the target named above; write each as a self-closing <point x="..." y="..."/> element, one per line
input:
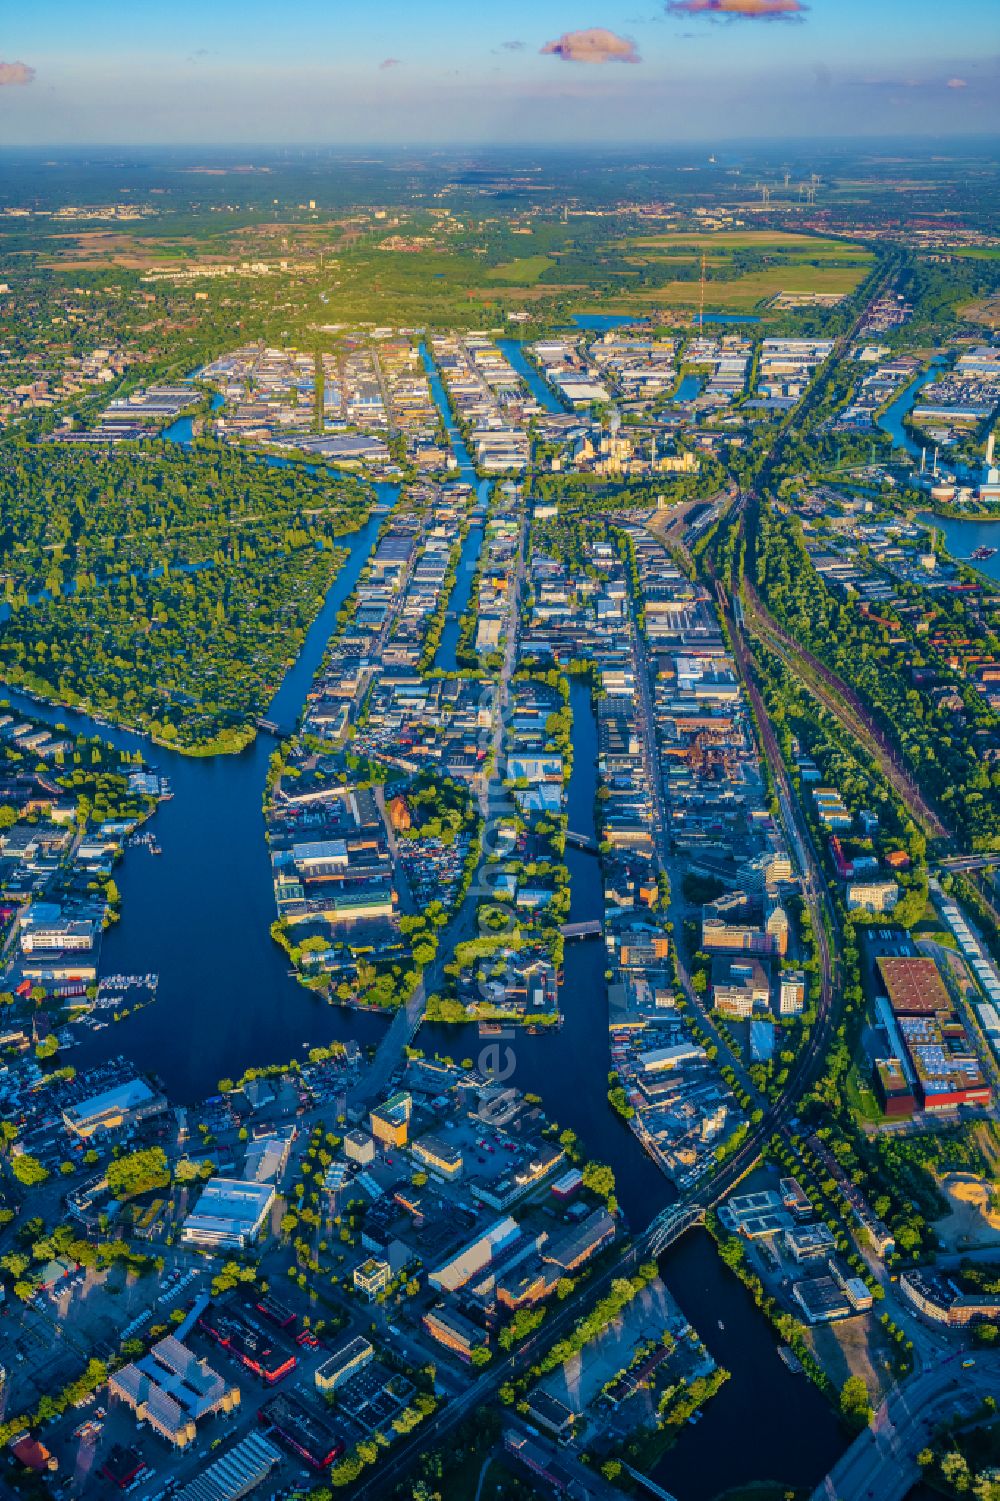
<point x="15" y="73"/>
<point x="929" y="84"/>
<point x="743" y="10"/>
<point x="388" y="62"/>
<point x="594" y="45"/>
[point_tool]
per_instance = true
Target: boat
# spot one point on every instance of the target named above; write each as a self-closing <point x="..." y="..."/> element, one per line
<point x="721" y="1324"/>
<point x="980" y="554"/>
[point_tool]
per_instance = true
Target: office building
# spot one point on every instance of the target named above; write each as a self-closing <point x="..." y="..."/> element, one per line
<point x="439" y="1156"/>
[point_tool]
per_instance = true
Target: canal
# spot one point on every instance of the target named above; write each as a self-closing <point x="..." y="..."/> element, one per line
<point x="766" y="1423"/>
<point x="891" y="420"/>
<point x="513" y="350"/>
<point x="472" y="545"/>
<point x="200" y="914"/>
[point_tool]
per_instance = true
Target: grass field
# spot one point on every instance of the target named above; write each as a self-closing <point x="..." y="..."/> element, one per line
<point x="524" y="271"/>
<point x="781" y="241"/>
<point x="744" y="294"/>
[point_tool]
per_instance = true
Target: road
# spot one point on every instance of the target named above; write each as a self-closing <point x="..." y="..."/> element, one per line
<point x="971" y="862"/>
<point x="881" y="1464"/>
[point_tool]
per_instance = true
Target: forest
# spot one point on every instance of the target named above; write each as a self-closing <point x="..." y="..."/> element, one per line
<point x="164" y="588"/>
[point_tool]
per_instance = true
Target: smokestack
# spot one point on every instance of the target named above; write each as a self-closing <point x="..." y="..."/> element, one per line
<point x="989" y="452"/>
<point x="923" y="459"/>
<point x="934" y="470"/>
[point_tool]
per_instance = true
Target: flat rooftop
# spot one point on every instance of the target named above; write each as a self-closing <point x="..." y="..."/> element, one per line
<point x="230" y="1206"/>
<point x="914" y="985"/>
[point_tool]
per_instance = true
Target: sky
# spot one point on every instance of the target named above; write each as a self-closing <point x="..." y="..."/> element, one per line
<point x="533" y="72"/>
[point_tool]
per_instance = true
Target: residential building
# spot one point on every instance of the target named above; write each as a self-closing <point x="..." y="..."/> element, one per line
<point x="344" y="1363"/>
<point x="372" y="1277"/>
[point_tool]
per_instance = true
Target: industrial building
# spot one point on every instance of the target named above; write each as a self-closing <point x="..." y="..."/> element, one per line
<point x="234" y="1474"/>
<point x="267" y="1157"/>
<point x="453" y="1330"/>
<point x="304" y="1430"/>
<point x="475" y="1257"/>
<point x="570" y="1251"/>
<point x="114" y="1109"/>
<point x="268" y="1353"/>
<point x="171" y="1389"/>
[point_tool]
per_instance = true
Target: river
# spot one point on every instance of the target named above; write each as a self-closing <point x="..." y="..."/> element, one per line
<point x="765" y="1423"/>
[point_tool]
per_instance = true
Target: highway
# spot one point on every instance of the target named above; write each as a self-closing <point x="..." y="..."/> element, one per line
<point x="881" y="1464"/>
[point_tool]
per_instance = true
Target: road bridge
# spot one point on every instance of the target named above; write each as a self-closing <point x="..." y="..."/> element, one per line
<point x="882" y="1461"/>
<point x="582" y="841"/>
<point x="591" y="929"/>
<point x="969" y="862"/>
